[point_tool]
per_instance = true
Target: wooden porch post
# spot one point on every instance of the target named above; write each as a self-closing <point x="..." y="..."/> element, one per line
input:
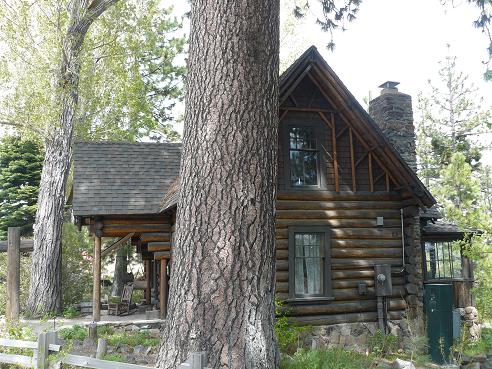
<point x="13" y="274"/>
<point x="148" y="277"/>
<point x="163" y="289"/>
<point x="96" y="296"/>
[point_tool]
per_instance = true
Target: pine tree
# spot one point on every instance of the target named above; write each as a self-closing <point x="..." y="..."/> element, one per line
<point x="20" y="172"/>
<point x="450" y="120"/>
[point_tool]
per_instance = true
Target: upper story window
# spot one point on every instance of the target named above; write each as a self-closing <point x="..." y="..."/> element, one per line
<point x="309" y="262"/>
<point x="443" y="260"/>
<point x="303" y="157"/>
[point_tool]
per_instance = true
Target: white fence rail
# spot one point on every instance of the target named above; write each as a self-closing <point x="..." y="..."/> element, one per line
<point x="48" y="343"/>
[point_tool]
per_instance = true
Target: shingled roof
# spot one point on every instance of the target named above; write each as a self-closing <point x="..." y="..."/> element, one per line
<point x="113" y="178"/>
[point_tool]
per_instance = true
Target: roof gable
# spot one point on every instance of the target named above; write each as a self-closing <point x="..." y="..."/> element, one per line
<point x="312" y="70"/>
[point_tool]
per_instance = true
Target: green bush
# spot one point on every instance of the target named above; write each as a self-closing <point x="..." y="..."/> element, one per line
<point x="335" y="358"/>
<point x="382" y="344"/>
<point x="74" y="333"/>
<point x="70" y="312"/>
<point x="288" y="334"/>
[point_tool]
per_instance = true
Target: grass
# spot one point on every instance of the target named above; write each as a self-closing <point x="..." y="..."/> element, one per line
<point x="112" y="337"/>
<point x="335" y="358"/>
<point x="482" y="346"/>
<point x="114" y="357"/>
<point x="131" y="339"/>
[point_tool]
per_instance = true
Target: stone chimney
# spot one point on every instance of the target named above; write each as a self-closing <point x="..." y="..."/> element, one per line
<point x="392" y="111"/>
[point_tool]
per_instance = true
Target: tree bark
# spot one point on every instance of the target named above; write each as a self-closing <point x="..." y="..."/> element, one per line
<point x="45" y="288"/>
<point x="120" y="271"/>
<point x="222" y="278"/>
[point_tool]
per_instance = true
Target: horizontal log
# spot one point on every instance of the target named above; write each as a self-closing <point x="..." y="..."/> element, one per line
<point x="134" y="221"/>
<point x="282" y="244"/>
<point x="366" y="253"/>
<point x="362" y="274"/>
<point x="336" y="223"/>
<point x="283" y="287"/>
<point x="123" y="230"/>
<point x="337" y="196"/>
<point x="337" y="214"/>
<point x="354" y="283"/>
<point x="25" y="246"/>
<point x="355" y="243"/>
<point x="352" y="294"/>
<point x="162" y="255"/>
<point x="159" y="246"/>
<point x="353" y="233"/>
<point x="281" y="276"/>
<point x="282" y="255"/>
<point x="282" y="265"/>
<point x="344" y="318"/>
<point x="342" y="307"/>
<point x="337" y="205"/>
<point x="367" y="233"/>
<point x="155" y="237"/>
<point x="351" y="263"/>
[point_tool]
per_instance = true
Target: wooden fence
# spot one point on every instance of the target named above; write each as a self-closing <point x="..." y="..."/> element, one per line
<point x="47" y="345"/>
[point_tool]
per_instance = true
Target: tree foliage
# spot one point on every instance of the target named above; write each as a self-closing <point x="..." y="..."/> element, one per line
<point x="130" y="75"/>
<point x="449" y="148"/>
<point x="451" y="120"/>
<point x="21" y="162"/>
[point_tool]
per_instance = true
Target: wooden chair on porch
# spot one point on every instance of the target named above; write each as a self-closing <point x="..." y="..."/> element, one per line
<point x="122" y="307"/>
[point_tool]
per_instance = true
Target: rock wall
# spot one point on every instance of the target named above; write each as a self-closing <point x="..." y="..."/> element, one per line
<point x="355" y="336"/>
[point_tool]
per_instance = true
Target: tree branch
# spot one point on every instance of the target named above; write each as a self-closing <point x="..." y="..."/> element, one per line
<point x="21" y="125"/>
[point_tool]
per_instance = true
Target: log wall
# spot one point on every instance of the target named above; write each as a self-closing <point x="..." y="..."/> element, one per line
<point x="357" y="244"/>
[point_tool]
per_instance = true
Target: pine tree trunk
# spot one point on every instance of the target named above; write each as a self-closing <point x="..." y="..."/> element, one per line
<point x="222" y="278"/>
<point x="120" y="271"/>
<point x="45" y="288"/>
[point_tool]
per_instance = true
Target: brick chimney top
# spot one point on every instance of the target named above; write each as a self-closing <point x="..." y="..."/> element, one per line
<point x="389" y="87"/>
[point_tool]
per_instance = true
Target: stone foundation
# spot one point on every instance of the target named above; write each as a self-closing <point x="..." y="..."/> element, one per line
<point x="355" y="336"/>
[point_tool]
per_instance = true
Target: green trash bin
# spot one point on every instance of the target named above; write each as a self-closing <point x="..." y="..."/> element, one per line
<point x="439" y="312"/>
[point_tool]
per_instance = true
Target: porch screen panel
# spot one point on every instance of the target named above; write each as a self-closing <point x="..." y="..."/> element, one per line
<point x="443" y="260"/>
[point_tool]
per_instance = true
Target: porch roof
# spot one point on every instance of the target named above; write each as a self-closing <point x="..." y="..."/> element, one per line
<point x="114" y="178"/>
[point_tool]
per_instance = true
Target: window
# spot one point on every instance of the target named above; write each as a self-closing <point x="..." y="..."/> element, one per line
<point x="443" y="260"/>
<point x="303" y="157"/>
<point x="309" y="262"/>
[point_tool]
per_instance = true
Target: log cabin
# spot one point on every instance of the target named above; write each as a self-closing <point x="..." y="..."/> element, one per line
<point x="356" y="233"/>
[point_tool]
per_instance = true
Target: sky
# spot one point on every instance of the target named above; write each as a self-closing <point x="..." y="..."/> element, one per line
<point x="397" y="40"/>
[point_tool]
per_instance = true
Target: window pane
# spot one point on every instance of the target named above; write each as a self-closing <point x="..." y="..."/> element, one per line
<point x="303" y="157"/>
<point x="303" y="168"/>
<point x="302" y="139"/>
<point x="308" y="264"/>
